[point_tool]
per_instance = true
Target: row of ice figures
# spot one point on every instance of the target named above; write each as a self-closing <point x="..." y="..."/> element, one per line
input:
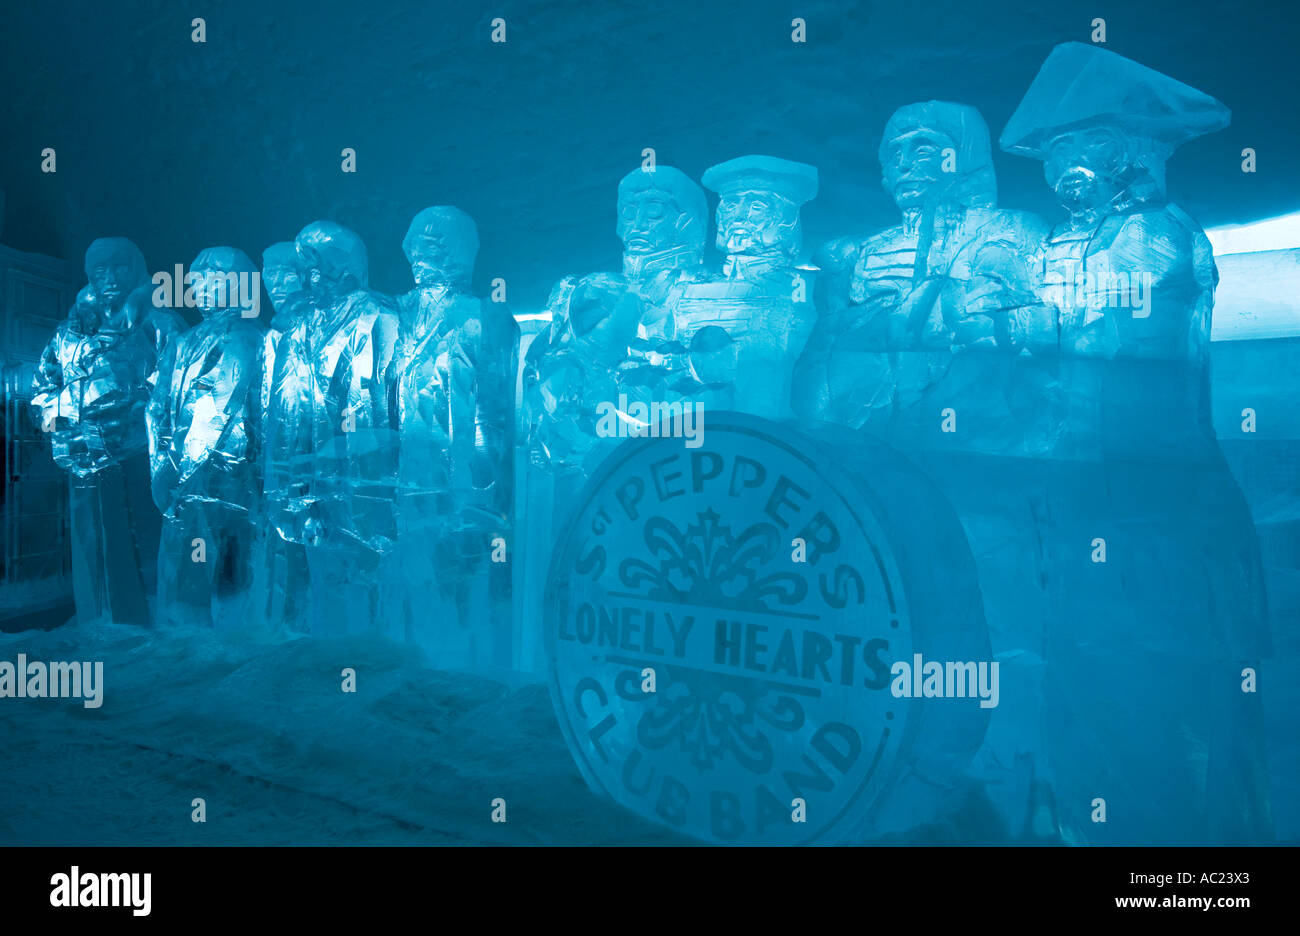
<point x="965" y="327"/>
<point x="349" y="467"/>
<point x="344" y="469"/>
<point x="962" y="305"/>
<point x="1051" y="378"/>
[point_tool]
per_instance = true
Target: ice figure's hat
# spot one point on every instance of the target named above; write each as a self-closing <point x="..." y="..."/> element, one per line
<point x="673" y="182"/>
<point x="1081" y="85"/>
<point x="795" y="181"/>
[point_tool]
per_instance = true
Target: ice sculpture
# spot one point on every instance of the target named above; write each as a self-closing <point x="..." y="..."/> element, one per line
<point x="1127" y="274"/>
<point x="614" y="334"/>
<point x="900" y="310"/>
<point x="1168" y="615"/>
<point x="663" y="223"/>
<point x="912" y="324"/>
<point x="329" y="453"/>
<point x="708" y="682"/>
<point x="744" y="330"/>
<point x="453" y="376"/>
<point x="203" y="421"/>
<point x="280" y="579"/>
<point x="611" y="340"/>
<point x="282" y="278"/>
<point x="90" y="393"/>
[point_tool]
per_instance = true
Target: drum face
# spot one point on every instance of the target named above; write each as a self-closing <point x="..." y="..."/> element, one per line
<point x="721" y="623"/>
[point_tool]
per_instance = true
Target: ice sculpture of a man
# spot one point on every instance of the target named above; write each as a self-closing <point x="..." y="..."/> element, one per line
<point x="90" y="393"/>
<point x="894" y="308"/>
<point x="328" y="449"/>
<point x="663" y="222"/>
<point x="744" y="329"/>
<point x="453" y="381"/>
<point x="281" y="275"/>
<point x="1127" y="273"/>
<point x="280" y="579"/>
<point x="203" y="423"/>
<point x="1166" y="624"/>
<point x="613" y="334"/>
<point x="610" y="341"/>
<point x="59" y="384"/>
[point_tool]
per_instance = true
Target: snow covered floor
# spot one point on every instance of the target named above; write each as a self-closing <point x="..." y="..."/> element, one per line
<point x="281" y="754"/>
<point x="264" y="734"/>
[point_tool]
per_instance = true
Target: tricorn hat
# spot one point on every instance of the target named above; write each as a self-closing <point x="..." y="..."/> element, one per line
<point x="1081" y="85"/>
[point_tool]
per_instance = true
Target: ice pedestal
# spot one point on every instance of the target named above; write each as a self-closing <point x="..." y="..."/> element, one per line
<point x="1123" y="589"/>
<point x="1147" y="650"/>
<point x="205" y="569"/>
<point x="281" y="592"/>
<point x="115" y="532"/>
<point x="448" y="596"/>
<point x="454" y="373"/>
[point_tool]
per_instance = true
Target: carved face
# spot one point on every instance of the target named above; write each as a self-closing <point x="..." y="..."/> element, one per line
<point x="282" y="282"/>
<point x="755" y="222"/>
<point x="441" y="246"/>
<point x="332" y="261"/>
<point x="319" y="285"/>
<point x="913" y="167"/>
<point x="216" y="290"/>
<point x="112" y="278"/>
<point x="322" y="281"/>
<point x="440" y="257"/>
<point x="649" y="221"/>
<point x="1086" y="167"/>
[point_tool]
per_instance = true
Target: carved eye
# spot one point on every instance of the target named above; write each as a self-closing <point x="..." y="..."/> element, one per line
<point x="1060" y="147"/>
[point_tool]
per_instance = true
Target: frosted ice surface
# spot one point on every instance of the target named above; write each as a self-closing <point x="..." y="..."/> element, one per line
<point x="453" y="378"/>
<point x="900" y="310"/>
<point x="1125" y="295"/>
<point x="616" y="333"/>
<point x="329" y="452"/>
<point x="90" y="392"/>
<point x="202" y="421"/>
<point x="745" y="327"/>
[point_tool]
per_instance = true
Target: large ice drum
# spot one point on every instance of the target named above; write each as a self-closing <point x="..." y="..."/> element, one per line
<point x="722" y="622"/>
